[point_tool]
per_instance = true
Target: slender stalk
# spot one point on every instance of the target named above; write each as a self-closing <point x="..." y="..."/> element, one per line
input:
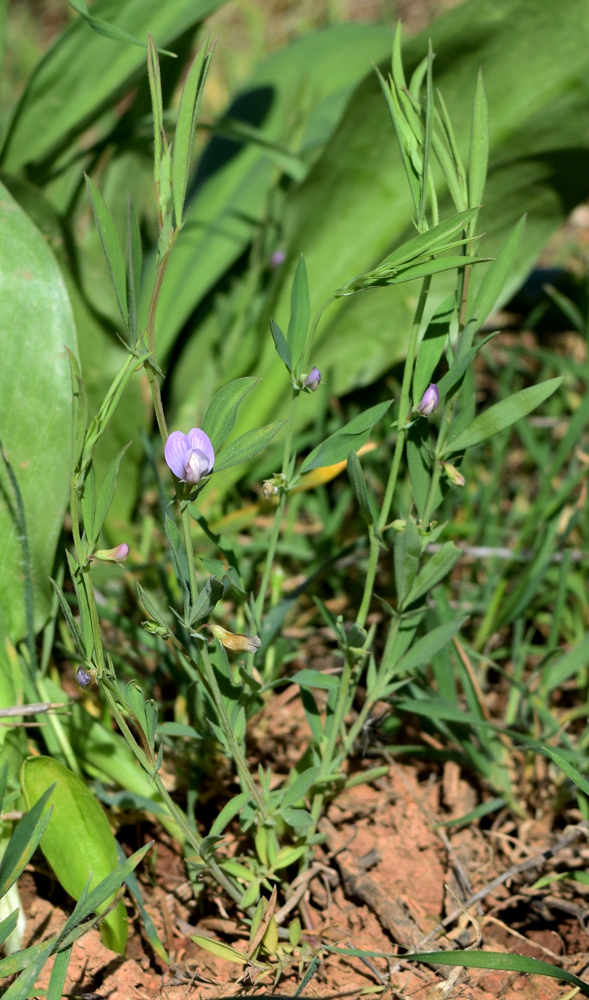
<point x="81" y="556"/>
<point x="373" y="696"/>
<point x="151" y="374"/>
<point x="189" y="553"/>
<point x="370" y="576"/>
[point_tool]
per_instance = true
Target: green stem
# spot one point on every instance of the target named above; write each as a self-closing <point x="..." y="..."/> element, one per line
<point x="189" y="553"/>
<point x="82" y="558"/>
<point x="373" y="696"/>
<point x="151" y="374"/>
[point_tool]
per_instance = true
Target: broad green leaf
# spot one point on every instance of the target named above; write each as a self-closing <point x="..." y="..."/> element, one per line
<point x="477" y="960"/>
<point x="503" y="415"/>
<point x="300" y="315"/>
<point x="288" y="855"/>
<point x="83" y="72"/>
<point x="77" y="819"/>
<point x="431" y="347"/>
<point x="315" y="679"/>
<point x="435" y="569"/>
<point x="426" y="647"/>
<point x="497" y="275"/>
<point x="23" y="843"/>
<point x="247" y="446"/>
<point x="419" y="463"/>
<point x="186" y="129"/>
<point x="479" y="146"/>
<point x="297" y="817"/>
<point x="567" y="666"/>
<point x="354" y="434"/>
<point x="35" y="329"/>
<point x="219" y="419"/>
<point x="300" y="786"/>
<point x="360" y="491"/>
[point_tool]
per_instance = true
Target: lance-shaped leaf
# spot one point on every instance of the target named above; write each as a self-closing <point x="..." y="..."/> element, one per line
<point x="434" y="570"/>
<point x="503" y="415"/>
<point x="422" y="651"/>
<point x="353" y="435"/>
<point x="493" y="284"/>
<point x="24" y="842"/>
<point x="281" y="345"/>
<point x="106" y="29"/>
<point x="111" y="247"/>
<point x="431" y="347"/>
<point x="248" y="445"/>
<point x="186" y="128"/>
<point x="300" y="314"/>
<point x="207" y="600"/>
<point x="407" y="552"/>
<point x="219" y="419"/>
<point x="359" y="486"/>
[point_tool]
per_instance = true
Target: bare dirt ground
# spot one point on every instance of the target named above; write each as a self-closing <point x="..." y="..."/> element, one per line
<point x="385" y="877"/>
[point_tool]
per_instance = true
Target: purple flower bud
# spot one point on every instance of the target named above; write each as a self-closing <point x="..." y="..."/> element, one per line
<point x="83" y="677"/>
<point x="116" y="555"/>
<point x="429" y="400"/>
<point x="312" y="380"/>
<point x="189" y="456"/>
<point x="277" y="258"/>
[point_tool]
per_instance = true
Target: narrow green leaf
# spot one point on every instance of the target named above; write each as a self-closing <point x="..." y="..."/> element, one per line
<point x="300" y="786"/>
<point x="248" y="445"/>
<point x="359" y="487"/>
<point x="219" y="419"/>
<point x="568" y="769"/>
<point x="434" y="570"/>
<point x="134" y="264"/>
<point x="479" y="146"/>
<point x="134" y="890"/>
<point x="106" y="29"/>
<point x="448" y="383"/>
<point x="21" y="988"/>
<point x="206" y="602"/>
<point x="111" y="247"/>
<point x="573" y="876"/>
<point x="229" y="811"/>
<point x="496" y="276"/>
<point x="23" y="843"/>
<point x="300" y="314"/>
<point x="571" y="663"/>
<point x="186" y="128"/>
<point x="428" y="242"/>
<point x="155" y="87"/>
<point x="297" y="817"/>
<point x="336" y="448"/>
<point x="426" y="647"/>
<point x="95" y="900"/>
<point x="435" y="266"/>
<point x="484" y="809"/>
<point x="476" y="960"/>
<point x="315" y="679"/>
<point x="568" y="308"/>
<point x="407" y="553"/>
<point x="106" y="493"/>
<point x="71" y="622"/>
<point x="282" y="348"/>
<point x="503" y="415"/>
<point x="397" y="58"/>
<point x="8" y="924"/>
<point x="431" y="347"/>
<point x="224" y="951"/>
<point x="58" y="974"/>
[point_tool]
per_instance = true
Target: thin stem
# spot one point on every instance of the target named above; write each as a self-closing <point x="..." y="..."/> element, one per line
<point x="189" y="553"/>
<point x="313" y="330"/>
<point x="272" y="543"/>
<point x="373" y="696"/>
<point x="152" y="375"/>
<point x="86" y="581"/>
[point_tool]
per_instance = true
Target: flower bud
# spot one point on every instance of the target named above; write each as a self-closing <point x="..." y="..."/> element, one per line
<point x="312" y="380"/>
<point x="154" y="629"/>
<point x="269" y="488"/>
<point x="277" y="258"/>
<point x="83" y="677"/>
<point x="116" y="555"/>
<point x="235" y="641"/>
<point x="455" y="477"/>
<point x="429" y="400"/>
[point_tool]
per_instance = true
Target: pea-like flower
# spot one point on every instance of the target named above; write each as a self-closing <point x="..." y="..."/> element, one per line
<point x="116" y="555"/>
<point x="235" y="640"/>
<point x="189" y="456"/>
<point x="429" y="400"/>
<point x="83" y="677"/>
<point x="312" y="380"/>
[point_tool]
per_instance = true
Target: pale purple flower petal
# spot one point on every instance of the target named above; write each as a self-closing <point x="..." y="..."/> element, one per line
<point x="201" y="442"/>
<point x="176" y="451"/>
<point x="313" y="379"/>
<point x="429" y="400"/>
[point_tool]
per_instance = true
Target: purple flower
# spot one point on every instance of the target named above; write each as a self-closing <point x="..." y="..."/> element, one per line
<point x="277" y="258"/>
<point x="312" y="380"/>
<point x="429" y="400"/>
<point x="83" y="677"/>
<point x="189" y="456"/>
